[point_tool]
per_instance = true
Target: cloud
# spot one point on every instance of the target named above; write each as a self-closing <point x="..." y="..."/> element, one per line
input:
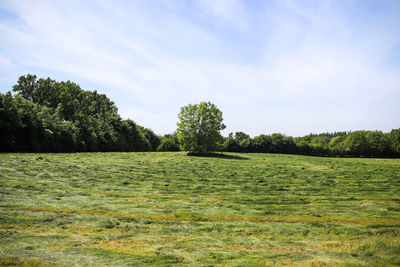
<point x="227" y="13"/>
<point x="291" y="68"/>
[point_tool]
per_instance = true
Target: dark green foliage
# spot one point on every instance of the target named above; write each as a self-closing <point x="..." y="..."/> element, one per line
<point x="154" y="140"/>
<point x="356" y="143"/>
<point x="21" y="125"/>
<point x="131" y="138"/>
<point x="341" y="144"/>
<point x="352" y="144"/>
<point x="46" y="115"/>
<point x="275" y="143"/>
<point x="232" y="142"/>
<point x="240" y="136"/>
<point x="394" y="137"/>
<point x="169" y="142"/>
<point x="199" y="127"/>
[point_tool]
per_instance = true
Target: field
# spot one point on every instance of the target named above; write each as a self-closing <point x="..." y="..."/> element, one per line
<point x="135" y="209"/>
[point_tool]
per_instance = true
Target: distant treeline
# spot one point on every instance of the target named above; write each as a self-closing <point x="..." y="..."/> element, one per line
<point x="49" y="116"/>
<point x="339" y="144"/>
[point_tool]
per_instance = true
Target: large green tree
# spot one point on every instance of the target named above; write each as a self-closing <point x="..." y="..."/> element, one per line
<point x="199" y="127"/>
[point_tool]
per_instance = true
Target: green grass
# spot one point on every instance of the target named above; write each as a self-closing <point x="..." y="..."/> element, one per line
<point x="135" y="209"/>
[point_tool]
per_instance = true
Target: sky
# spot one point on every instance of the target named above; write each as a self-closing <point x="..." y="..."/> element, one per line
<point x="294" y="67"/>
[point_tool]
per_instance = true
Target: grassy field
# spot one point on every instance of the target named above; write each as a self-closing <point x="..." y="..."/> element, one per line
<point x="121" y="209"/>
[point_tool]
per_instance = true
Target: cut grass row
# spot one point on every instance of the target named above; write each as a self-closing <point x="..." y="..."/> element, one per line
<point x="172" y="209"/>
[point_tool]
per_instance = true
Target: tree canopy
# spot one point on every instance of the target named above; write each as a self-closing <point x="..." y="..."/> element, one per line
<point x="50" y="116"/>
<point x="199" y="127"/>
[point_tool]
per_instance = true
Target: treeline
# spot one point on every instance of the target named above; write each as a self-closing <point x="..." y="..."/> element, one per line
<point x="339" y="144"/>
<point x="50" y="116"/>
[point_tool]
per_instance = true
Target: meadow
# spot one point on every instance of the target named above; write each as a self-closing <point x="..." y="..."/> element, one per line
<point x="171" y="209"/>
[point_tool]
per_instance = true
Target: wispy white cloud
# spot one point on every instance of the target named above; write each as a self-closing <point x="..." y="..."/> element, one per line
<point x="315" y="69"/>
<point x="226" y="13"/>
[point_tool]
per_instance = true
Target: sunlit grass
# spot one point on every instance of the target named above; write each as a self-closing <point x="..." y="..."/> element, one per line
<point x="162" y="209"/>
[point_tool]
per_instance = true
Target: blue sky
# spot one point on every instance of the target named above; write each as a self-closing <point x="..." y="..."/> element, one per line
<point x="294" y="67"/>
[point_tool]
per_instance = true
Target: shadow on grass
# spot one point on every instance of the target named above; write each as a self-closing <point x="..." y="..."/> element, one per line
<point x="216" y="155"/>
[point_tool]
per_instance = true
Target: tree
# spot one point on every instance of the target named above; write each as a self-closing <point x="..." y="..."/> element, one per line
<point x="240" y="136"/>
<point x="356" y="143"/>
<point x="199" y="127"/>
<point x="232" y="142"/>
<point x="378" y="143"/>
<point x="50" y="116"/>
<point x="26" y="87"/>
<point x="337" y="146"/>
<point x="394" y="137"/>
<point x="153" y="139"/>
<point x="169" y="142"/>
<point x="262" y="143"/>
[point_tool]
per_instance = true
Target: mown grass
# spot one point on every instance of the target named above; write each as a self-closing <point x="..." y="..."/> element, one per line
<point x="127" y="209"/>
